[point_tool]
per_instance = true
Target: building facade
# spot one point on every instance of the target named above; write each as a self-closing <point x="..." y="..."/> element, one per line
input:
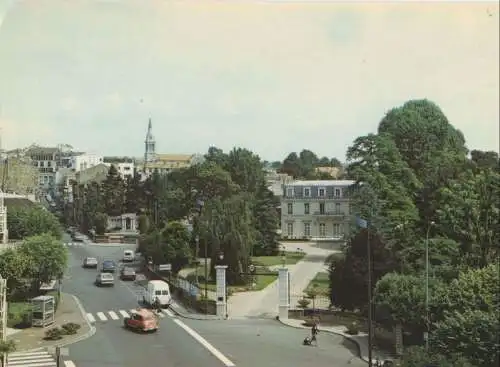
<point x="45" y="160"/>
<point x="316" y="209"/>
<point x="125" y="169"/>
<point x="84" y="161"/>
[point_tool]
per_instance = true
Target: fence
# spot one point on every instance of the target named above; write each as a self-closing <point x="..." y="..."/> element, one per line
<point x="299" y="300"/>
<point x="186" y="292"/>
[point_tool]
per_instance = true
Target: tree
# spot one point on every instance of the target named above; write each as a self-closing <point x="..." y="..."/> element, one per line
<point x="470" y="214"/>
<point x="134" y="196"/>
<point x="349" y="275"/>
<point x="177" y="250"/>
<point x="266" y="222"/>
<point x="14" y="265"/>
<point x="100" y="223"/>
<point x="113" y="193"/>
<point x="32" y="221"/>
<point x="144" y="224"/>
<point x="228" y="226"/>
<point x="485" y="160"/>
<point x="418" y="357"/>
<point x="7" y="347"/>
<point x="47" y="256"/>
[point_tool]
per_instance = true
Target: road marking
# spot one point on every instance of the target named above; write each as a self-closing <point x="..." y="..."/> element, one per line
<point x="168" y="312"/>
<point x="90" y="317"/>
<point x="123" y="313"/>
<point x="102" y="316"/>
<point x="69" y="364"/>
<point x="221" y="357"/>
<point x="113" y="315"/>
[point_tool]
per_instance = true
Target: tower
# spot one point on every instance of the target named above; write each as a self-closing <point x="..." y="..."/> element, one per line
<point x="149" y="144"/>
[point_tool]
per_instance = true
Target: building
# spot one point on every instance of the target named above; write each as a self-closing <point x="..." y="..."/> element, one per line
<point x="82" y="161"/>
<point x="275" y="181"/>
<point x="126" y="169"/>
<point x="46" y="161"/>
<point x="316" y="209"/>
<point x="162" y="163"/>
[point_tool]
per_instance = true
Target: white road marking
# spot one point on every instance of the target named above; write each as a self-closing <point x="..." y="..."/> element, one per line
<point x="32" y="359"/>
<point x="168" y="312"/>
<point x="69" y="364"/>
<point x="102" y="316"/>
<point x="113" y="315"/>
<point x="221" y="357"/>
<point x="90" y="317"/>
<point x="133" y="310"/>
<point x="123" y="313"/>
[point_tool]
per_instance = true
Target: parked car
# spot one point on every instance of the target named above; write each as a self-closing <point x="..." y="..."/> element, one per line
<point x="78" y="237"/>
<point x="90" y="262"/>
<point x="127" y="274"/>
<point x="108" y="266"/>
<point x="105" y="279"/>
<point x="143" y="320"/>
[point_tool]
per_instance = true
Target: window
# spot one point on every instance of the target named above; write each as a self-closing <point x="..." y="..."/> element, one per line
<point x="164" y="292"/>
<point x="289" y="192"/>
<point x="290" y="208"/>
<point x="322" y="192"/>
<point x="42" y="164"/>
<point x="307" y="192"/>
<point x="49" y="164"/>
<point x="306" y="208"/>
<point x="336" y="229"/>
<point x="289" y="229"/>
<point x="321" y="208"/>
<point x="157" y="293"/>
<point x="337" y="208"/>
<point x="322" y="230"/>
<point x="337" y="193"/>
<point x="307" y="229"/>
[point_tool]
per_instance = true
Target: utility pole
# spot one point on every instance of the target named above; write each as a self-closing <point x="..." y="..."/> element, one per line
<point x="3" y="316"/>
<point x="370" y="305"/>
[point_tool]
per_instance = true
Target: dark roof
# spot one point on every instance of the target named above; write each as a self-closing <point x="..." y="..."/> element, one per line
<point x="18" y="203"/>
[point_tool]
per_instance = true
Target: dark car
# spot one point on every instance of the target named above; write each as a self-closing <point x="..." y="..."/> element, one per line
<point x="127" y="274"/>
<point x="108" y="266"/>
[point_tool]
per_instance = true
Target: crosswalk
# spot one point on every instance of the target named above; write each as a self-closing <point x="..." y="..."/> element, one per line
<point x="35" y="358"/>
<point x="120" y="315"/>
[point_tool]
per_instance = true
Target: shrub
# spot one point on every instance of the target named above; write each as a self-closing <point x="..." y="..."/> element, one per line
<point x="352" y="328"/>
<point x="303" y="303"/>
<point x="71" y="328"/>
<point x="54" y="333"/>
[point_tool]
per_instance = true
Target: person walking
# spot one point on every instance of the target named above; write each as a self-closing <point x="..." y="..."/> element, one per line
<point x="314" y="333"/>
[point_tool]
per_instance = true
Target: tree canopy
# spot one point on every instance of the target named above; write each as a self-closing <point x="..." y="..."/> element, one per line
<point x="25" y="222"/>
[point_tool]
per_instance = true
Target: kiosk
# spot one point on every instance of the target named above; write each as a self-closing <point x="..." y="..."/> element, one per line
<point x="42" y="311"/>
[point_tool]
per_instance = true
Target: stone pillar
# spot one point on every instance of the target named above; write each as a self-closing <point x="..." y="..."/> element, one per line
<point x="283" y="293"/>
<point x="220" y="293"/>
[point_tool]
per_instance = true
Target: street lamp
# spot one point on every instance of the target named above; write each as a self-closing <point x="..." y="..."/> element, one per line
<point x="221" y="259"/>
<point x="427" y="319"/>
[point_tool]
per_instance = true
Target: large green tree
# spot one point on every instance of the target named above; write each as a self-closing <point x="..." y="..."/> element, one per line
<point x="31" y="221"/>
<point x="113" y="189"/>
<point x="14" y="265"/>
<point x="47" y="256"/>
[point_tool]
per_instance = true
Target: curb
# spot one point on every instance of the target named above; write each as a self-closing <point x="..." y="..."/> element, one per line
<point x="184" y="316"/>
<point x="88" y="334"/>
<point x="355" y="342"/>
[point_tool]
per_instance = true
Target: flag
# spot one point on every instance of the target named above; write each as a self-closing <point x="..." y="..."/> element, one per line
<point x="360" y="222"/>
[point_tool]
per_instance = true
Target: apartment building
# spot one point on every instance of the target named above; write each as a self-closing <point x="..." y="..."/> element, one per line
<point x="316" y="209"/>
<point x="83" y="161"/>
<point x="46" y="161"/>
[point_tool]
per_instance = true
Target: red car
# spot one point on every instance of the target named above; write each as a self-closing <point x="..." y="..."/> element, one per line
<point x="143" y="320"/>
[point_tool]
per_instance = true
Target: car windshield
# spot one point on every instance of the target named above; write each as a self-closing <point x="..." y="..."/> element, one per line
<point x="108" y="263"/>
<point x="91" y="259"/>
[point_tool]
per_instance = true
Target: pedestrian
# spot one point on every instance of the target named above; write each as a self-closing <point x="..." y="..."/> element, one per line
<point x="314" y="333"/>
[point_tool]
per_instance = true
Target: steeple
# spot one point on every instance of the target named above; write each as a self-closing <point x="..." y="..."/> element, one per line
<point x="149" y="145"/>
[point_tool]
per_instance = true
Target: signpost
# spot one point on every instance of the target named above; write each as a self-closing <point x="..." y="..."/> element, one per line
<point x="165" y="267"/>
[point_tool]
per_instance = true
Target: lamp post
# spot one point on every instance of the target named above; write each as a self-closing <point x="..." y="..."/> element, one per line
<point x="221" y="259"/>
<point x="427" y="318"/>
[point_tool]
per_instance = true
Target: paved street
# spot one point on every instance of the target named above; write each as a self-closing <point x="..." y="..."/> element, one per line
<point x="182" y="342"/>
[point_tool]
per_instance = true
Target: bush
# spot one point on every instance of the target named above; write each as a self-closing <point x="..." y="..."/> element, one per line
<point x="303" y="303"/>
<point x="55" y="333"/>
<point x="70" y="328"/>
<point x="353" y="328"/>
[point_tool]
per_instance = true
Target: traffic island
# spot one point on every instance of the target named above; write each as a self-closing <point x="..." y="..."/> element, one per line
<point x="70" y="326"/>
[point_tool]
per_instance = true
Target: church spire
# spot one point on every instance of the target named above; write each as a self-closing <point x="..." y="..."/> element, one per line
<point x="149" y="145"/>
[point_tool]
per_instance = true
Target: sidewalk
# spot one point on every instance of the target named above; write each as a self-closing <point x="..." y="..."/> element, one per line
<point x="69" y="310"/>
<point x="361" y="340"/>
<point x="264" y="303"/>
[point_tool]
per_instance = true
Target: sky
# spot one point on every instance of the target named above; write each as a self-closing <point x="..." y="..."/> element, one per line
<point x="273" y="77"/>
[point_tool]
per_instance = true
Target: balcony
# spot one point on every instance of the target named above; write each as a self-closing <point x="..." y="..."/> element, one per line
<point x="316" y="198"/>
<point x="333" y="213"/>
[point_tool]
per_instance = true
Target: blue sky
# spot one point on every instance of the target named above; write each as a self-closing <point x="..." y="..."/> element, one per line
<point x="272" y="77"/>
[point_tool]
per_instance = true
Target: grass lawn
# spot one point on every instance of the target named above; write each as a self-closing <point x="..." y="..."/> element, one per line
<point x="291" y="258"/>
<point x="320" y="283"/>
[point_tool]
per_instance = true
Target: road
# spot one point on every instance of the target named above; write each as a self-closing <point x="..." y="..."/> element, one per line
<point x="182" y="342"/>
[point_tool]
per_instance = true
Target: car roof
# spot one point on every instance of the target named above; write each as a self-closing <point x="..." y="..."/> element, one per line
<point x="108" y="262"/>
<point x="106" y="275"/>
<point x="90" y="258"/>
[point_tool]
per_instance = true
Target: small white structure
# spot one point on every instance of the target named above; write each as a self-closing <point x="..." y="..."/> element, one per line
<point x="125" y="223"/>
<point x="43" y="311"/>
<point x="84" y="161"/>
<point x="125" y="169"/>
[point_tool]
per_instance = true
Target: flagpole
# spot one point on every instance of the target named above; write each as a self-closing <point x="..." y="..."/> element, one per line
<point x="370" y="306"/>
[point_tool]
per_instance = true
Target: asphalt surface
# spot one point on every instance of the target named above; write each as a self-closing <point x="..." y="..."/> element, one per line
<point x="243" y="342"/>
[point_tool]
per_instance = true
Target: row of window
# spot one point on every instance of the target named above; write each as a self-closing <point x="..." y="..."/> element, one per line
<point x="307" y="208"/>
<point x="337" y="229"/>
<point x="42" y="163"/>
<point x="306" y="192"/>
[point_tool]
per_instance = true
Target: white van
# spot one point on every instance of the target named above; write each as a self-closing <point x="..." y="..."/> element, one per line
<point x="157" y="289"/>
<point x="128" y="256"/>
